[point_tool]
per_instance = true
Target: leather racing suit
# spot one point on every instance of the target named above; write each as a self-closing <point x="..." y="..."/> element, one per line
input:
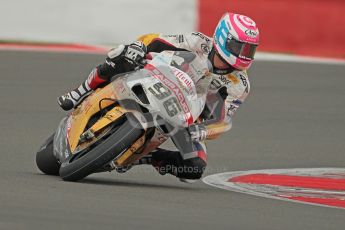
<point x="233" y="88"/>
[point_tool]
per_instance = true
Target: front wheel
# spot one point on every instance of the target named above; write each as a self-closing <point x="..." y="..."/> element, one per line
<point x="80" y="165"/>
<point x="45" y="159"/>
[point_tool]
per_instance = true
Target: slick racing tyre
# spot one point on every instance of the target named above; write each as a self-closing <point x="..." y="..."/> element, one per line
<point x="80" y="165"/>
<point x="45" y="159"/>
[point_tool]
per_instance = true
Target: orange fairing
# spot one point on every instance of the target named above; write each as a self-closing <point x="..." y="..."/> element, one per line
<point x="81" y="116"/>
<point x="148" y="38"/>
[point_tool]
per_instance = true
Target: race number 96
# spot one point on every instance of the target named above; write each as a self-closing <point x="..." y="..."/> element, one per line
<point x="160" y="91"/>
<point x="171" y="106"/>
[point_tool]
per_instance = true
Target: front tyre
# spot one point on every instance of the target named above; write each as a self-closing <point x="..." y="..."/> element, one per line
<point x="76" y="167"/>
<point x="45" y="159"/>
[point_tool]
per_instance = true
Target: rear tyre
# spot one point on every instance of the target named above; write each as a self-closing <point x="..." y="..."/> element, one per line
<point x="80" y="165"/>
<point x="45" y="159"/>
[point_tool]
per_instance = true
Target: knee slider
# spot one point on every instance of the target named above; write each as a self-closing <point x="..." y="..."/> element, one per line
<point x="192" y="169"/>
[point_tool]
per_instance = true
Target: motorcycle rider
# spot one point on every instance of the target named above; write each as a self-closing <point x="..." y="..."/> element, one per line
<point x="231" y="52"/>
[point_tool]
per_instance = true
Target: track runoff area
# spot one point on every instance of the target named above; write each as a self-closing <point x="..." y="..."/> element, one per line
<point x="314" y="186"/>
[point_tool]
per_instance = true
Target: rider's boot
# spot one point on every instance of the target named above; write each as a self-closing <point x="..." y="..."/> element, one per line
<point x="73" y="98"/>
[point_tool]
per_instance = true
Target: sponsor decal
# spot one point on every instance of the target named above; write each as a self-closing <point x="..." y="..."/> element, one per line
<point x="202" y="36"/>
<point x="205" y="49"/>
<point x="225" y="80"/>
<point x="216" y="84"/>
<point x="316" y="186"/>
<point x="175" y="89"/>
<point x="251" y="33"/>
<point x="186" y="82"/>
<point x="231" y="110"/>
<point x="177" y="38"/>
<point x="244" y="80"/>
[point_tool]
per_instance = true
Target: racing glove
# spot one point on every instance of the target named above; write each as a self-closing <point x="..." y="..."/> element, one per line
<point x="133" y="53"/>
<point x="198" y="132"/>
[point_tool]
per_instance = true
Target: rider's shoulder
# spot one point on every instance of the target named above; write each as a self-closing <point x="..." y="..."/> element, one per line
<point x="242" y="77"/>
<point x="240" y="84"/>
<point x="235" y="78"/>
<point x="201" y="37"/>
<point x="199" y="42"/>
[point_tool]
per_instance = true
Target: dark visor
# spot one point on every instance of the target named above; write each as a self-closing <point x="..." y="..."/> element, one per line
<point x="240" y="49"/>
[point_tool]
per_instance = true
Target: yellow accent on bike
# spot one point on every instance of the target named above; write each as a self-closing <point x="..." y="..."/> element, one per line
<point x="129" y="156"/>
<point x="147" y="38"/>
<point x="108" y="118"/>
<point x="89" y="107"/>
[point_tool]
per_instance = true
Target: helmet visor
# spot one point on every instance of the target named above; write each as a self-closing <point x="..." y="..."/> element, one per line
<point x="241" y="49"/>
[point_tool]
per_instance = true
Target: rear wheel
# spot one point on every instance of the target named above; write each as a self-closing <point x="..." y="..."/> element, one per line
<point x="45" y="159"/>
<point x="82" y="164"/>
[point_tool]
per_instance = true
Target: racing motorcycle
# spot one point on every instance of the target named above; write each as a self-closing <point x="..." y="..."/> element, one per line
<point x="120" y="123"/>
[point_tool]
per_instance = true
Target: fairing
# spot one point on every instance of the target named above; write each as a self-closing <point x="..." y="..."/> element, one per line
<point x="171" y="88"/>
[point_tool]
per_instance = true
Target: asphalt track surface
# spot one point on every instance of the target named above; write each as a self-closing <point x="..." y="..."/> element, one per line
<point x="294" y="118"/>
